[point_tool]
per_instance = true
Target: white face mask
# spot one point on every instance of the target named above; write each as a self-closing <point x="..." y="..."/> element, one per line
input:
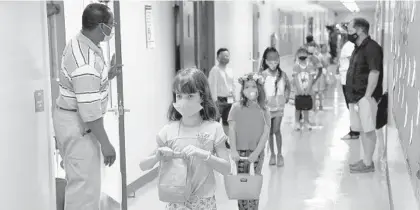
<point x="108" y="37"/>
<point x="272" y="64"/>
<point x="251" y="94"/>
<point x="187" y="108"/>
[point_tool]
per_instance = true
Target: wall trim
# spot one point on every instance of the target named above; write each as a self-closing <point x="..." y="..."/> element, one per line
<point x="143" y="180"/>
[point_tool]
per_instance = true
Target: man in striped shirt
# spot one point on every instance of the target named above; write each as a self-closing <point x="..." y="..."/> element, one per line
<point x="81" y="105"/>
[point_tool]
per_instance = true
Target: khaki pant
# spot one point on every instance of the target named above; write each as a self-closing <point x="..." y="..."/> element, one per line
<point x="363" y="115"/>
<point x="81" y="155"/>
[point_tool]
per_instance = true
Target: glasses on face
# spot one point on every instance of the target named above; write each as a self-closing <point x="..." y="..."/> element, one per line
<point x="110" y="26"/>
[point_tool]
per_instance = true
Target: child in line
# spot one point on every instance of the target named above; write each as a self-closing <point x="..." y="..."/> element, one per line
<point x="303" y="81"/>
<point x="194" y="133"/>
<point x="249" y="126"/>
<point x="277" y="88"/>
<point x="319" y="85"/>
<point x="329" y="75"/>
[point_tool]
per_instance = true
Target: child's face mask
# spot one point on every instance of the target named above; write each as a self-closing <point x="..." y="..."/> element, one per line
<point x="250" y="90"/>
<point x="272" y="64"/>
<point x="188" y="104"/>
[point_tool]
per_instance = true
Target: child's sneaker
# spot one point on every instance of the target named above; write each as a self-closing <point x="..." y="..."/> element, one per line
<point x="297" y="126"/>
<point x="280" y="160"/>
<point x="307" y="126"/>
<point x="272" y="160"/>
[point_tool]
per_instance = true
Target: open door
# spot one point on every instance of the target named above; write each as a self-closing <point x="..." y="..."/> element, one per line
<point x="114" y="193"/>
<point x="255" y="37"/>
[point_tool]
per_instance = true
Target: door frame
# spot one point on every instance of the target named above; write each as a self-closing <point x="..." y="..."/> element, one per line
<point x="121" y="110"/>
<point x="204" y="35"/>
<point x="255" y="36"/>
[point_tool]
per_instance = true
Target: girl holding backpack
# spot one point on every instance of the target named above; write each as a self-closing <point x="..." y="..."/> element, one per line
<point x="249" y="127"/>
<point x="190" y="147"/>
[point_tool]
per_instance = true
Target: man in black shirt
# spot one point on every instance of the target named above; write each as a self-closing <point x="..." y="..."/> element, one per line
<point x="364" y="82"/>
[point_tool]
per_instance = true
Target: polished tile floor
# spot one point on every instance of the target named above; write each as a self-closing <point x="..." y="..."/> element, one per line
<point x="315" y="175"/>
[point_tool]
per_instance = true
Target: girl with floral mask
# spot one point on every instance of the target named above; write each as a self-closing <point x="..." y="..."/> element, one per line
<point x="249" y="126"/>
<point x="277" y="88"/>
<point x="194" y="136"/>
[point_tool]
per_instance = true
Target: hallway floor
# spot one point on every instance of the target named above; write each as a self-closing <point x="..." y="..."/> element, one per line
<point x="315" y="175"/>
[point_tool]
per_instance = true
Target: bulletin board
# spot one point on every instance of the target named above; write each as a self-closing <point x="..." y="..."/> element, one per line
<point x="402" y="29"/>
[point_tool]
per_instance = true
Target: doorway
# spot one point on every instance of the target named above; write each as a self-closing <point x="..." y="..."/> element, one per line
<point x="255" y="37"/>
<point x="204" y="35"/>
<point x="57" y="42"/>
<point x="114" y="123"/>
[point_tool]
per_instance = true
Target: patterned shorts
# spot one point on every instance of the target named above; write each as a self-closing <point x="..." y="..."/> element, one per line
<point x="194" y="204"/>
<point x="243" y="167"/>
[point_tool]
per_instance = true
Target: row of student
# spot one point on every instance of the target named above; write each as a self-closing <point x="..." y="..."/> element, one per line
<point x="192" y="145"/>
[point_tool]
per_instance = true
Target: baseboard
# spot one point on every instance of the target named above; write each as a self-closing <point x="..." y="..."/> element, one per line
<point x="402" y="192"/>
<point x="143" y="180"/>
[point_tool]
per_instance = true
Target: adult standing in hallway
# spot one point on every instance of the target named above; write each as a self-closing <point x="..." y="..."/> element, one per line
<point x="222" y="85"/>
<point x="344" y="61"/>
<point x="332" y="41"/>
<point x="364" y="89"/>
<point x="80" y="107"/>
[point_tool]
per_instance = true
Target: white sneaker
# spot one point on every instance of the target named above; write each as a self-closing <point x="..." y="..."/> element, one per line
<point x="297" y="126"/>
<point x="307" y="126"/>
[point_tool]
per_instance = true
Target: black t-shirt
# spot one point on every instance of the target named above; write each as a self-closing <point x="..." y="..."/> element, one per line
<point x="366" y="57"/>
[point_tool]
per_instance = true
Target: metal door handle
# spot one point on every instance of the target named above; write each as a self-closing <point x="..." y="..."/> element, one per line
<point x="113" y="110"/>
<point x="118" y="111"/>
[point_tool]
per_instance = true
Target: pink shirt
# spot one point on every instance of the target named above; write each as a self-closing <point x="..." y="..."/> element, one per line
<point x="250" y="121"/>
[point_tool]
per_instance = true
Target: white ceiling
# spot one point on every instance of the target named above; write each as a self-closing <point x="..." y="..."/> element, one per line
<point x="337" y="6"/>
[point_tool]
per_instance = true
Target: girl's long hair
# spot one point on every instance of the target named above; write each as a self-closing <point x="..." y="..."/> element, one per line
<point x="261" y="100"/>
<point x="188" y="81"/>
<point x="264" y="65"/>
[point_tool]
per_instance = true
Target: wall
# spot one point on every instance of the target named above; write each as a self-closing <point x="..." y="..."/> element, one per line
<point x="148" y="75"/>
<point x="232" y="33"/>
<point x="26" y="152"/>
<point x="345" y="16"/>
<point x="400" y="58"/>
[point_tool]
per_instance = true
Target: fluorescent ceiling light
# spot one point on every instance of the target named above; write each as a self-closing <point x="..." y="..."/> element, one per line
<point x="350" y="5"/>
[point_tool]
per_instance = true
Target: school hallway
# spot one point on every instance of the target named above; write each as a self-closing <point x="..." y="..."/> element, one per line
<point x="315" y="175"/>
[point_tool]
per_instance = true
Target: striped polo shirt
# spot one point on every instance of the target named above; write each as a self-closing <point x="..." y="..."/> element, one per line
<point x="83" y="79"/>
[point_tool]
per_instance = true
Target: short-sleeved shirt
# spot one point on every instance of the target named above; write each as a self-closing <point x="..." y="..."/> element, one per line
<point x="221" y="82"/>
<point x="250" y="121"/>
<point x="275" y="100"/>
<point x="365" y="58"/>
<point x="303" y="79"/>
<point x="177" y="137"/>
<point x="345" y="54"/>
<point x="83" y="79"/>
